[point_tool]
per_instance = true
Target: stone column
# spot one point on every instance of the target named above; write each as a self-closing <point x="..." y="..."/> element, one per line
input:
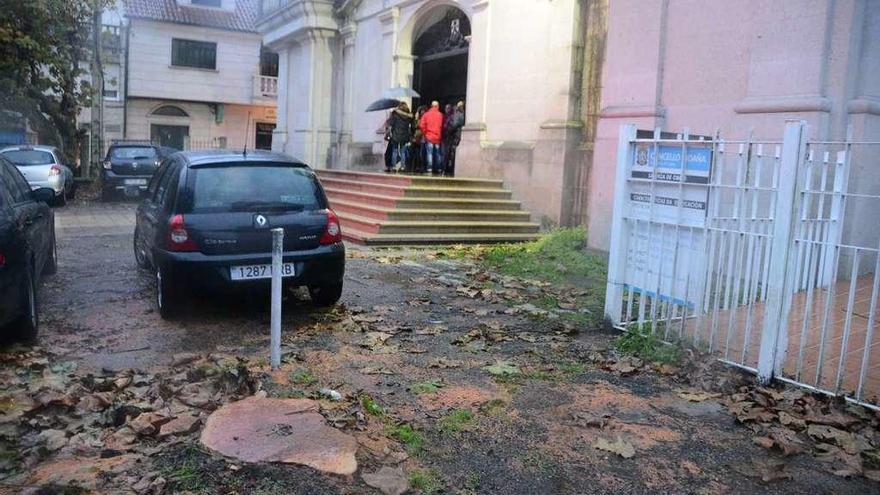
<point x="344" y="155"/>
<point x="469" y="161"/>
<point x="279" y="135"/>
<point x="311" y="85"/>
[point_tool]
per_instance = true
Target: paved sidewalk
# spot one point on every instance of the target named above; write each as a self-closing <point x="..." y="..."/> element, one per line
<point x="89" y="219"/>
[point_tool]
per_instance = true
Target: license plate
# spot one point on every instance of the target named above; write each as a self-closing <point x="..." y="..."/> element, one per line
<point x="135" y="182"/>
<point x="256" y="272"/>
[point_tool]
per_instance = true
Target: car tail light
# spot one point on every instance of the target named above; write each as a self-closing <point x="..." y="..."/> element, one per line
<point x="107" y="165"/>
<point x="178" y="239"/>
<point x="2" y="260"/>
<point x="332" y="231"/>
<point x="54" y="170"/>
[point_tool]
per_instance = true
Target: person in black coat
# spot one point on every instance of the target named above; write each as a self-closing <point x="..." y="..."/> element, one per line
<point x="400" y="129"/>
<point x="452" y="137"/>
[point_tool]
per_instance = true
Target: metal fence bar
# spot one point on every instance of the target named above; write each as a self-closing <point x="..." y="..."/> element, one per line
<point x="847" y="326"/>
<point x="869" y="331"/>
<point x="619" y="228"/>
<point x="773" y="340"/>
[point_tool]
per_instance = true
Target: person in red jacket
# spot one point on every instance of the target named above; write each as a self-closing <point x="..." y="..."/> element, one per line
<point x="431" y="125"/>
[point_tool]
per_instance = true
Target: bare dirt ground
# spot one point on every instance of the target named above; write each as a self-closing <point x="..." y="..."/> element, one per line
<point x="448" y="374"/>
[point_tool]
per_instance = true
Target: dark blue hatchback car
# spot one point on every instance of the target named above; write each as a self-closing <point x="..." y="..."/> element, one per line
<point x="207" y="218"/>
<point x="27" y="250"/>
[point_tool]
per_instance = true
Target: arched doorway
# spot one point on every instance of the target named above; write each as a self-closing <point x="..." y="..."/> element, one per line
<point x="169" y="127"/>
<point x="440" y="52"/>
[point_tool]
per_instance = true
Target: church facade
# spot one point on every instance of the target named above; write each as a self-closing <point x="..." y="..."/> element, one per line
<point x="547" y="83"/>
<point x="518" y="65"/>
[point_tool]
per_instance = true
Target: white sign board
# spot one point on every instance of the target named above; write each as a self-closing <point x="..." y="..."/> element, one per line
<point x="667" y="205"/>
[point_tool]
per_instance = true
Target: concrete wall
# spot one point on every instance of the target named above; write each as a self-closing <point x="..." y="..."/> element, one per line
<point x="237" y="126"/>
<point x="735" y="66"/>
<point x="151" y="74"/>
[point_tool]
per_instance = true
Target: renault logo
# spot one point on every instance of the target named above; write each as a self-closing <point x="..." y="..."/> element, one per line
<point x="260" y="220"/>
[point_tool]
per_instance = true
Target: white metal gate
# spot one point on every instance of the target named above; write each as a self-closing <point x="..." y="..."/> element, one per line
<point x="764" y="252"/>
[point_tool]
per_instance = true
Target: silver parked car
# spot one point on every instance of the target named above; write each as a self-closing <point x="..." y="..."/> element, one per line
<point x="43" y="166"/>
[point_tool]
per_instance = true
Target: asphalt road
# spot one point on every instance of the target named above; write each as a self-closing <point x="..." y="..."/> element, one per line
<point x="99" y="308"/>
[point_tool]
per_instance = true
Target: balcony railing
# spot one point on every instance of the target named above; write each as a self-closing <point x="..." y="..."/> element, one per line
<point x="265" y="87"/>
<point x="269" y="6"/>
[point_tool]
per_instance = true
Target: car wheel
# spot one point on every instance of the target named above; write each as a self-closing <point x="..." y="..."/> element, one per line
<point x="71" y="194"/>
<point x="61" y="199"/>
<point x="140" y="256"/>
<point x="27" y="325"/>
<point x="52" y="261"/>
<point x="106" y="195"/>
<point x="167" y="297"/>
<point x="326" y="295"/>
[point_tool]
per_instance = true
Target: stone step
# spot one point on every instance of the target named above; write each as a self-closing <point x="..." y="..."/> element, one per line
<point x="391" y="190"/>
<point x="384" y="201"/>
<point x="423" y="215"/>
<point x="374" y="226"/>
<point x="415" y="191"/>
<point x="423" y="239"/>
<point x="413" y="180"/>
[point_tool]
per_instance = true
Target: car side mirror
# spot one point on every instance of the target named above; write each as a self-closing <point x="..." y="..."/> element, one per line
<point x="44" y="194"/>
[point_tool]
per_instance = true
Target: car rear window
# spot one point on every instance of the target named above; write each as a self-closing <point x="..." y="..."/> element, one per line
<point x="132" y="152"/>
<point x="252" y="188"/>
<point x="24" y="158"/>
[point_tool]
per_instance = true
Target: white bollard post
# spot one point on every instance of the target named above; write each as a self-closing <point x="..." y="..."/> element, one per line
<point x="277" y="250"/>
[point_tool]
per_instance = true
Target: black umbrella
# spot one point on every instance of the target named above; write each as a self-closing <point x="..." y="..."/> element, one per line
<point x="383" y="104"/>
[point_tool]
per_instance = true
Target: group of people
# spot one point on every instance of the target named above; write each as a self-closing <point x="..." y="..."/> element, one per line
<point x="424" y="142"/>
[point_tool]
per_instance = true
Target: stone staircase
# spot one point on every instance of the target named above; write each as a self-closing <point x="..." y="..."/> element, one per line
<point x="383" y="209"/>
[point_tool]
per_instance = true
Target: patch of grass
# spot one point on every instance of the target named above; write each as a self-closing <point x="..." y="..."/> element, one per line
<point x="456" y="421"/>
<point x="493" y="407"/>
<point x="426" y="387"/>
<point x="534" y="461"/>
<point x="405" y="434"/>
<point x="302" y="377"/>
<point x="558" y="256"/>
<point x="428" y="481"/>
<point x="572" y="368"/>
<point x="473" y="480"/>
<point x="644" y="344"/>
<point x="292" y="394"/>
<point x="186" y="474"/>
<point x="540" y="375"/>
<point x="547" y="302"/>
<point x="582" y="320"/>
<point x="371" y="406"/>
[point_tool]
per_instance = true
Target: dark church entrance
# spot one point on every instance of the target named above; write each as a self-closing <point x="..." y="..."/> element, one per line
<point x="441" y="63"/>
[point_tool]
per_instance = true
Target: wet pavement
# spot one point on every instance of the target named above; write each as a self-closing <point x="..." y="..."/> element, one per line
<point x="457" y="389"/>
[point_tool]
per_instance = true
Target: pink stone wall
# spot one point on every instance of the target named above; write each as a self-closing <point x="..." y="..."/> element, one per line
<point x="735" y="66"/>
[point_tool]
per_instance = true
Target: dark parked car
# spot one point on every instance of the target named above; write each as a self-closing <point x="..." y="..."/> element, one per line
<point x="128" y="167"/>
<point x="207" y="218"/>
<point x="27" y="249"/>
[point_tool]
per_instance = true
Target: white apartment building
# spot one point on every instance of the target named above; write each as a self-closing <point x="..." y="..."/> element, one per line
<point x="197" y="75"/>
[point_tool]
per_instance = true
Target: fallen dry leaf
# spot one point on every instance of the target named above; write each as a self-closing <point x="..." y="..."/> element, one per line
<point x="502" y="368"/>
<point x="765" y="442"/>
<point x="697" y="396"/>
<point x="619" y="447"/>
<point x="375" y="370"/>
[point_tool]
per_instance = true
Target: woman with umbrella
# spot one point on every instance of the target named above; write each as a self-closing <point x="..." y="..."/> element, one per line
<point x="400" y="127"/>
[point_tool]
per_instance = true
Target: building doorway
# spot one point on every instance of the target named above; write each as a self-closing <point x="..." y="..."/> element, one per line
<point x="173" y="136"/>
<point x="440" y="68"/>
<point x="263" y="139"/>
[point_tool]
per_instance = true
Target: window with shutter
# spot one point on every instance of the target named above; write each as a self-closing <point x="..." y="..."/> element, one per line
<point x="198" y="54"/>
